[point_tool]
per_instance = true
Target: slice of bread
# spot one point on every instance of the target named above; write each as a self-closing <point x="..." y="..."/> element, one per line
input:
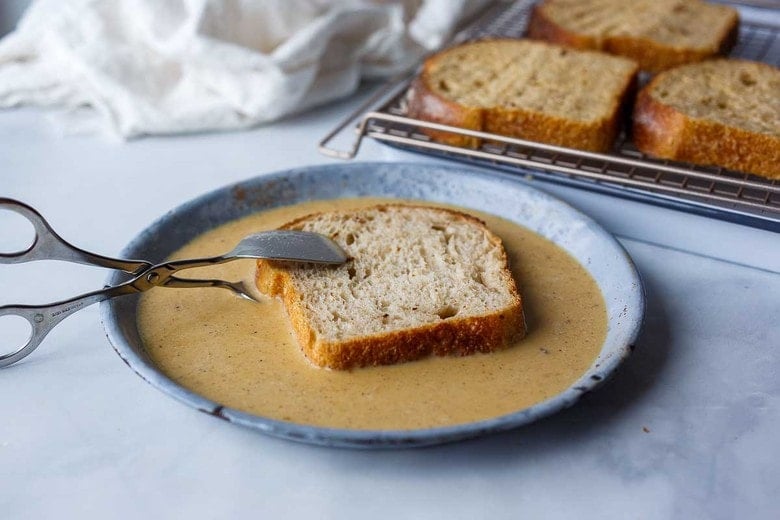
<point x="420" y="281"/>
<point x="719" y="112"/>
<point x="526" y="89"/>
<point x="658" y="34"/>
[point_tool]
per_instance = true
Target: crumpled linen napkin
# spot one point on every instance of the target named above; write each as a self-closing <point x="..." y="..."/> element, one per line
<point x="137" y="67"/>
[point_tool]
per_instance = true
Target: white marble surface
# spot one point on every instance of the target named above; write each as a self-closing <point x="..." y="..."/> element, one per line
<point x="688" y="429"/>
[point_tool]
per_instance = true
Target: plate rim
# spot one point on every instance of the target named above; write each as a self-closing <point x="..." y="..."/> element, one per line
<point x="373" y="438"/>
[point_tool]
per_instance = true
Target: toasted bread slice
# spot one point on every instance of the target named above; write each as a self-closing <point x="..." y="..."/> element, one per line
<point x="658" y="34"/>
<point x="420" y="281"/>
<point x="526" y="89"/>
<point x="719" y="112"/>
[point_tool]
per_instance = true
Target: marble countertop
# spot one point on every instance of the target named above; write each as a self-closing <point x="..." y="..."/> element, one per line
<point x="687" y="429"/>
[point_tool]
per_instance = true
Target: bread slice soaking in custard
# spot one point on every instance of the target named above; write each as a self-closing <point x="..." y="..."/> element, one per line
<point x="420" y="281"/>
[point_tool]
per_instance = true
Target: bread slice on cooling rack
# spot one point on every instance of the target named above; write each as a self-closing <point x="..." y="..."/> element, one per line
<point x="420" y="281"/>
<point x="718" y="112"/>
<point x="526" y="89"/>
<point x="658" y="34"/>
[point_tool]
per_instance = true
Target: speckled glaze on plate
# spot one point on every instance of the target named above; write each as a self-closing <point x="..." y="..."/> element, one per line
<point x="495" y="193"/>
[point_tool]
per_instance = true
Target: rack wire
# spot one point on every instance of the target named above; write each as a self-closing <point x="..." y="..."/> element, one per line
<point x="624" y="171"/>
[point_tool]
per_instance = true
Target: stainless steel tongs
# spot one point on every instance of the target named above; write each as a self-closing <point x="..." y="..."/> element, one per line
<point x="298" y="246"/>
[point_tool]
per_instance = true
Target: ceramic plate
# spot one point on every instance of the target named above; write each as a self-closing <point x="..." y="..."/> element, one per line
<point x="499" y="194"/>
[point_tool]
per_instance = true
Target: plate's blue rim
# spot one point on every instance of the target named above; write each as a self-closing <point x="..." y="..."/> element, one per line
<point x="353" y="438"/>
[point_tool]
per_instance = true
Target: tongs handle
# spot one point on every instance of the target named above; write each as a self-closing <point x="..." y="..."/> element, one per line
<point x="43" y="318"/>
<point x="48" y="245"/>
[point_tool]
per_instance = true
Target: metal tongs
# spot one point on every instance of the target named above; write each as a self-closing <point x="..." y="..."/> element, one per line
<point x="297" y="246"/>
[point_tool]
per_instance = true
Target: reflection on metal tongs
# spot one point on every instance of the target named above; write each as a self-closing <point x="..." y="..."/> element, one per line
<point x="297" y="246"/>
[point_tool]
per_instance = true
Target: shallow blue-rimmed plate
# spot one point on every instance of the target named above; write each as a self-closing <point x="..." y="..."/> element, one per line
<point x="499" y="194"/>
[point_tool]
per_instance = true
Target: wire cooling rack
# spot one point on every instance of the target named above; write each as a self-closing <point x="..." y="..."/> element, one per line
<point x="624" y="171"/>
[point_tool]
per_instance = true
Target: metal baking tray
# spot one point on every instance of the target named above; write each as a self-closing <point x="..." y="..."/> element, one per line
<point x="624" y="171"/>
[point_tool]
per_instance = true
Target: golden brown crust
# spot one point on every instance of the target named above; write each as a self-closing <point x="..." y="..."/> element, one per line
<point x="453" y="336"/>
<point x="596" y="136"/>
<point x="662" y="131"/>
<point x="652" y="56"/>
<point x="425" y="104"/>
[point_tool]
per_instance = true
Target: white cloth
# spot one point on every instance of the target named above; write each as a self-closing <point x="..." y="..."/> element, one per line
<point x="138" y="67"/>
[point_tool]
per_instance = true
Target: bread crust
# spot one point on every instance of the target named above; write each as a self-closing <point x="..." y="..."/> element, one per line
<point x="595" y="136"/>
<point x="652" y="56"/>
<point x="661" y="130"/>
<point x="451" y="336"/>
<point x="425" y="104"/>
<point x="542" y="27"/>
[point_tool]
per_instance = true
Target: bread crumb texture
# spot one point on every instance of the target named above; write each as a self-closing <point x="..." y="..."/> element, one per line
<point x="419" y="281"/>
<point x="659" y="34"/>
<point x="737" y="93"/>
<point x="527" y="89"/>
<point x="718" y="112"/>
<point x="529" y="75"/>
